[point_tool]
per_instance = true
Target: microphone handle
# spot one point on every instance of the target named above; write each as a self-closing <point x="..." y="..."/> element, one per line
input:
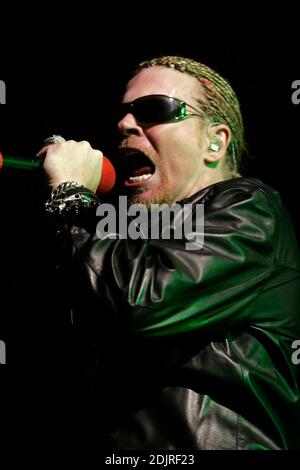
<point x="19" y="164"/>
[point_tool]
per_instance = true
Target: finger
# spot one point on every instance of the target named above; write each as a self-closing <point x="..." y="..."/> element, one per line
<point x="43" y="150"/>
<point x="54" y="139"/>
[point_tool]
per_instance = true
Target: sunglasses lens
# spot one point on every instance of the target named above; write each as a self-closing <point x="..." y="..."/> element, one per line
<point x="153" y="109"/>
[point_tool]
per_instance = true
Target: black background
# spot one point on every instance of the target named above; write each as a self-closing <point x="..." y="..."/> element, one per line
<point x="69" y="85"/>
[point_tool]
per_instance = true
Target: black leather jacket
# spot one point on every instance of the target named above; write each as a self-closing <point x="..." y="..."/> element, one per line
<point x="193" y="349"/>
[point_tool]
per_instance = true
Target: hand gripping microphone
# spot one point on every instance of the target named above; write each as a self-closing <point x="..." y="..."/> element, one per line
<point x="107" y="181"/>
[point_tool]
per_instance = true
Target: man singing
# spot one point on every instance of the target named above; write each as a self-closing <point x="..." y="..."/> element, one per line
<point x="192" y="349"/>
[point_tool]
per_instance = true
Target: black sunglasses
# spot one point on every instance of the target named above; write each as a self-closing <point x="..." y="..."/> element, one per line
<point x="157" y="109"/>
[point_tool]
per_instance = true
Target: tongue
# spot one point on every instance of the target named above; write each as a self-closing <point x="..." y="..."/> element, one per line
<point x="142" y="171"/>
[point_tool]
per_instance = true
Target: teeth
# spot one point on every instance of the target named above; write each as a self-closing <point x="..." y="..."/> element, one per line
<point x="140" y="178"/>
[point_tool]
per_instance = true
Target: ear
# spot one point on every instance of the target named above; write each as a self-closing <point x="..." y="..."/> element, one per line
<point x="219" y="136"/>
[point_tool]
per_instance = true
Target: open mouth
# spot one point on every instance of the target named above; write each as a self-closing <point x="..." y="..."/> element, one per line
<point x="138" y="169"/>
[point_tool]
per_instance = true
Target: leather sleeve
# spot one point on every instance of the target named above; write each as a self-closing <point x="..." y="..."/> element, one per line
<point x="168" y="290"/>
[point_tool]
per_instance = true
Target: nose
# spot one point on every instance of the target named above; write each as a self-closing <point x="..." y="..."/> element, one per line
<point x="128" y="126"/>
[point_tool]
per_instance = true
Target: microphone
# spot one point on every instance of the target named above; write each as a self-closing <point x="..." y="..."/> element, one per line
<point x="107" y="180"/>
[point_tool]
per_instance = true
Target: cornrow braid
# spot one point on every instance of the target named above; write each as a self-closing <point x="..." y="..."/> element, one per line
<point x="219" y="102"/>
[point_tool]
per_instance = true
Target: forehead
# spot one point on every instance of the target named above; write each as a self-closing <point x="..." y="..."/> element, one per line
<point x="162" y="81"/>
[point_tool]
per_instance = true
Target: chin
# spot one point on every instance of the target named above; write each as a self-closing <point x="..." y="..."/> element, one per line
<point x="149" y="197"/>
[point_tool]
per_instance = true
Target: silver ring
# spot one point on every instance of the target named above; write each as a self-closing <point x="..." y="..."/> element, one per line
<point x="54" y="139"/>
